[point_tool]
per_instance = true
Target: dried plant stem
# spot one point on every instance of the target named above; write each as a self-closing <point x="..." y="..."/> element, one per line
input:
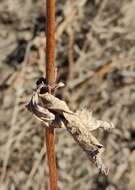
<point x="51" y="158"/>
<point x="51" y="77"/>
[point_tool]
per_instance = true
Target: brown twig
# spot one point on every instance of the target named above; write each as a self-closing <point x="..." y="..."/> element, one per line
<point x="51" y="77"/>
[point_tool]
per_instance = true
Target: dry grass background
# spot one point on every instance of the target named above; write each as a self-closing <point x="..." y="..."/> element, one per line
<point x="96" y="59"/>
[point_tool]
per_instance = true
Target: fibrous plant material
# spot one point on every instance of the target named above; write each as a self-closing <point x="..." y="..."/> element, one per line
<point x="55" y="112"/>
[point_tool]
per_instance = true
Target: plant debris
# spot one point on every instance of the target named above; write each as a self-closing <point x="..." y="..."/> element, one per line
<point x="54" y="112"/>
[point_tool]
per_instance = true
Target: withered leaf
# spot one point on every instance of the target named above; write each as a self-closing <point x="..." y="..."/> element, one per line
<point x="51" y="109"/>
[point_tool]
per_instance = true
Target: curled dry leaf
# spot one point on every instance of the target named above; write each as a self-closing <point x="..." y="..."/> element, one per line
<point x="51" y="110"/>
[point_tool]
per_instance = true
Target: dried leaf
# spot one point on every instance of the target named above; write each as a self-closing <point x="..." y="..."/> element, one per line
<point x="52" y="110"/>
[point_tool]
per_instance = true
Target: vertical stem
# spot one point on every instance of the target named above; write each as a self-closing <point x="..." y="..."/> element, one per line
<point x="51" y="158"/>
<point x="51" y="77"/>
<point x="50" y="44"/>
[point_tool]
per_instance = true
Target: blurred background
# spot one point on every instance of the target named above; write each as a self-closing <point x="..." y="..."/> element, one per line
<point x="95" y="57"/>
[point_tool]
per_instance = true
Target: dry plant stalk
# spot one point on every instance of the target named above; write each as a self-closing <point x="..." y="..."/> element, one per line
<point x="55" y="112"/>
<point x="51" y="76"/>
